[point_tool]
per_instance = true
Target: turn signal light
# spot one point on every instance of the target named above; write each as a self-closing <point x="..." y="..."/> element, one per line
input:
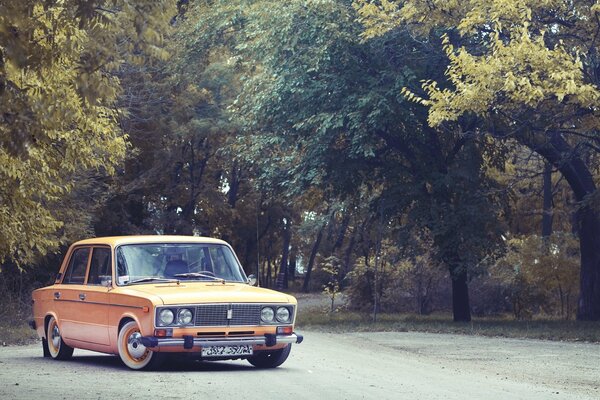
<point x="163" y="332"/>
<point x="284" y="330"/>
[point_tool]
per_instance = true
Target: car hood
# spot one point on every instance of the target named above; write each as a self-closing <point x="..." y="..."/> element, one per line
<point x="214" y="292"/>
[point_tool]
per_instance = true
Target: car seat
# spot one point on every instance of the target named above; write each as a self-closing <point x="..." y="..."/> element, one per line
<point x="175" y="267"/>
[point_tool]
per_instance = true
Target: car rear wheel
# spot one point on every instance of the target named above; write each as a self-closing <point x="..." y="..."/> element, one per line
<point x="132" y="352"/>
<point x="56" y="346"/>
<point x="270" y="359"/>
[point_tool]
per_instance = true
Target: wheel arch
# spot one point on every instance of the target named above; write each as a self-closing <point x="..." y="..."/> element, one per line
<point x="125" y="318"/>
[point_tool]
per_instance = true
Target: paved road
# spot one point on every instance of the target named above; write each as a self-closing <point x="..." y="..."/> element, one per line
<point x="328" y="366"/>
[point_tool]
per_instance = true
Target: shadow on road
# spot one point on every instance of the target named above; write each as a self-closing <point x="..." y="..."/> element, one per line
<point x="172" y="364"/>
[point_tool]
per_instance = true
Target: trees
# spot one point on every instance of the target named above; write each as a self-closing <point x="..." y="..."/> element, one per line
<point x="529" y="70"/>
<point x="329" y="108"/>
<point x="285" y="129"/>
<point x="57" y="95"/>
<point x="185" y="174"/>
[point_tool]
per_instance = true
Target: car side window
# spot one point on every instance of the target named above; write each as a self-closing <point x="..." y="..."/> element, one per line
<point x="77" y="266"/>
<point x="100" y="267"/>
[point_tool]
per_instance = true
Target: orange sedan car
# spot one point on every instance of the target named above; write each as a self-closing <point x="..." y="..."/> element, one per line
<point x="143" y="297"/>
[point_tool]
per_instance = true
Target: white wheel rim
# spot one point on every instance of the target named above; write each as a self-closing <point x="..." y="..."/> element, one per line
<point x="54" y="339"/>
<point x="135" y="348"/>
<point x="55" y="336"/>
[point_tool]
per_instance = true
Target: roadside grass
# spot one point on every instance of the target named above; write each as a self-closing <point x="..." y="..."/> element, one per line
<point x="317" y="318"/>
<point x="16" y="334"/>
<point x="14" y="329"/>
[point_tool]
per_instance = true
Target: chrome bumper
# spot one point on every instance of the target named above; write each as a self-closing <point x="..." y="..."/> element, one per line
<point x="187" y="342"/>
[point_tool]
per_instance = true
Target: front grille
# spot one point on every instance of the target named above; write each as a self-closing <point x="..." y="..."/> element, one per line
<point x="216" y="314"/>
<point x="212" y="315"/>
<point x="245" y="314"/>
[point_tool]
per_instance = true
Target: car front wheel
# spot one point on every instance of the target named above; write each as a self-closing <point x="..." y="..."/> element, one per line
<point x="270" y="359"/>
<point x="56" y="346"/>
<point x="131" y="350"/>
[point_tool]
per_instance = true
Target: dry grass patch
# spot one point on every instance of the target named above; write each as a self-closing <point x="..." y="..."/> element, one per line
<point x="501" y="326"/>
<point x="16" y="334"/>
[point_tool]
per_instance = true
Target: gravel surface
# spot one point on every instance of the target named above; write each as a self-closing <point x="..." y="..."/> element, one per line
<point x="328" y="366"/>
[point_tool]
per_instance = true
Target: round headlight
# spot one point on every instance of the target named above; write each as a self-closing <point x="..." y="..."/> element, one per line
<point x="184" y="316"/>
<point x="165" y="317"/>
<point x="283" y="314"/>
<point x="267" y="314"/>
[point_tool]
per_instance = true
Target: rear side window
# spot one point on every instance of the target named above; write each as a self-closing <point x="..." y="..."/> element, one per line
<point x="100" y="267"/>
<point x="77" y="266"/>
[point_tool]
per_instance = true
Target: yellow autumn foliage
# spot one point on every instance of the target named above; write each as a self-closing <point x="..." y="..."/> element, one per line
<point x="518" y="65"/>
<point x="540" y="274"/>
<point x="58" y="97"/>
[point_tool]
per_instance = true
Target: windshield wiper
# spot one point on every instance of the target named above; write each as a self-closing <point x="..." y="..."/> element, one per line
<point x="152" y="279"/>
<point x="199" y="275"/>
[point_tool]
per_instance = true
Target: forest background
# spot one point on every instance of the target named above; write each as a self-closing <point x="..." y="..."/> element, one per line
<point x="420" y="156"/>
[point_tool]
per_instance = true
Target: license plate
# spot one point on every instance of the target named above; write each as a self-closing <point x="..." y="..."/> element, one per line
<point x="225" y="351"/>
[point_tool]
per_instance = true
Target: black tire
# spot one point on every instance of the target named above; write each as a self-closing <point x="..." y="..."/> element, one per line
<point x="56" y="346"/>
<point x="270" y="359"/>
<point x="45" y="347"/>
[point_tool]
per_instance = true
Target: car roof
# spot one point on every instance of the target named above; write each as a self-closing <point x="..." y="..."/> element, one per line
<point x="141" y="239"/>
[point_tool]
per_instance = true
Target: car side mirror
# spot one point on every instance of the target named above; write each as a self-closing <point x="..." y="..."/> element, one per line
<point x="106" y="282"/>
<point x="252" y="280"/>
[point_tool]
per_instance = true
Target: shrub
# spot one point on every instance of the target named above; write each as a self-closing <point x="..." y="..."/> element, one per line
<point x="540" y="275"/>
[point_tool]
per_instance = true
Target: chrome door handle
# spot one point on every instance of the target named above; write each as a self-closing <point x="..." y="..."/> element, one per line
<point x="57" y="295"/>
<point x="81" y="296"/>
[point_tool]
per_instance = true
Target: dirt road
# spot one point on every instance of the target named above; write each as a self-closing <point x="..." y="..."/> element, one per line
<point x="328" y="366"/>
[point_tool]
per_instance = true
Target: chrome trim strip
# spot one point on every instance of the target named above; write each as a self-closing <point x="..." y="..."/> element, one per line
<point x="98" y="303"/>
<point x="126" y="306"/>
<point x="203" y="342"/>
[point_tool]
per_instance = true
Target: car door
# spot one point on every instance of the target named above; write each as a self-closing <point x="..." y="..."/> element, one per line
<point x="92" y="322"/>
<point x="66" y="295"/>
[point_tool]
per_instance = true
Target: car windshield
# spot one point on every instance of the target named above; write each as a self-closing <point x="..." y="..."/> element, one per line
<point x="171" y="262"/>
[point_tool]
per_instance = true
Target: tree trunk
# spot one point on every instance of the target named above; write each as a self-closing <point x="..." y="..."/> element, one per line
<point x="346" y="267"/>
<point x="460" y="295"/>
<point x="250" y="262"/>
<point x="562" y="156"/>
<point x="263" y="275"/>
<point x="269" y="272"/>
<point x="311" y="260"/>
<point x="234" y="185"/>
<point x="342" y="232"/>
<point x="292" y="264"/>
<point x="197" y="167"/>
<point x="287" y="237"/>
<point x="588" y="308"/>
<point x="547" y="213"/>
